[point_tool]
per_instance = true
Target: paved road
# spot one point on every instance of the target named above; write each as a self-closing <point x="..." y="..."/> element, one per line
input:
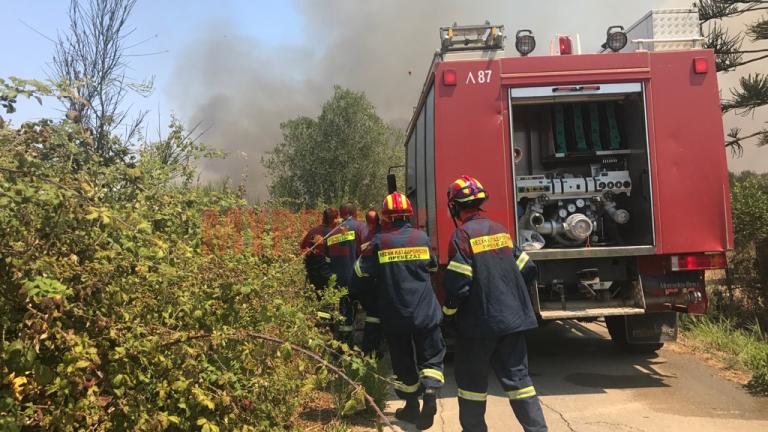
<point x="586" y="385"/>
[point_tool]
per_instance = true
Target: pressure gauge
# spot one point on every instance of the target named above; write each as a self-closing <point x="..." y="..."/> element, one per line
<point x="580" y="203"/>
<point x="563" y="213"/>
<point x="571" y="207"/>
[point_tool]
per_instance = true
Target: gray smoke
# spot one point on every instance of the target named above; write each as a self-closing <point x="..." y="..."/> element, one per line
<point x="242" y="90"/>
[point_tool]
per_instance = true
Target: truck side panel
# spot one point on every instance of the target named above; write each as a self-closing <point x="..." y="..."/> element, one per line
<point x="470" y="138"/>
<point x="687" y="155"/>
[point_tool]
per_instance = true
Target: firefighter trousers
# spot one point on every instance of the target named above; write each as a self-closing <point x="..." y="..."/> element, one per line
<point x="346" y="329"/>
<point x="417" y="360"/>
<point x="371" y="334"/>
<point x="508" y="357"/>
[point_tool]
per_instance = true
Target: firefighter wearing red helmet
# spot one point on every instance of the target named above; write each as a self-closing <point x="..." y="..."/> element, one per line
<point x="342" y="250"/>
<point x="398" y="262"/>
<point x="486" y="293"/>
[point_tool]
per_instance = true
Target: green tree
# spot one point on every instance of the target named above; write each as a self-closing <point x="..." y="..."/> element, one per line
<point x="752" y="90"/>
<point x="343" y="154"/>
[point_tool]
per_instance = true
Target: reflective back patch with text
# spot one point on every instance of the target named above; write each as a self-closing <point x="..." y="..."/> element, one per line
<point x="404" y="254"/>
<point x="492" y="242"/>
<point x="338" y="238"/>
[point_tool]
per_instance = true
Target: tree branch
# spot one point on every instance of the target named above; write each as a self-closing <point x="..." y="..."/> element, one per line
<point x="736" y="140"/>
<point x="750" y="61"/>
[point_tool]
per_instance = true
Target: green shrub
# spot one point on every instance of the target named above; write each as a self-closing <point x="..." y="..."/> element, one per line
<point x="117" y="314"/>
<point x="749" y="202"/>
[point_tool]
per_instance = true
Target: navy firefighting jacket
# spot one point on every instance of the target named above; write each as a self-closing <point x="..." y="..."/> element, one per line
<point x="342" y="249"/>
<point x="399" y="261"/>
<point x="364" y="290"/>
<point x="484" y="281"/>
<point x="315" y="263"/>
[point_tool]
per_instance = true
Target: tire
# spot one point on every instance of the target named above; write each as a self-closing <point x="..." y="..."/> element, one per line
<point x="617" y="328"/>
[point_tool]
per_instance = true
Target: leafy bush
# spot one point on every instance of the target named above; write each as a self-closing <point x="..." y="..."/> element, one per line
<point x="117" y="314"/>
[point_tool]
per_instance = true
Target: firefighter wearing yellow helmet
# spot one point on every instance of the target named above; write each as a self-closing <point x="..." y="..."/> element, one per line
<point x="486" y="293"/>
<point x="398" y="262"/>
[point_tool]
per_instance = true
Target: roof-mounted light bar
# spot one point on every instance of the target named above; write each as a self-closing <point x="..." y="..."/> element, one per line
<point x="472" y="37"/>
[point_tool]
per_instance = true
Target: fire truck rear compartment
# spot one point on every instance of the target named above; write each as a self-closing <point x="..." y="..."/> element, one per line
<point x="582" y="182"/>
<point x="583" y="193"/>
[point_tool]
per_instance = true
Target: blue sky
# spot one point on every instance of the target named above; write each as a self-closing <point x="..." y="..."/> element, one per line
<point x="166" y="27"/>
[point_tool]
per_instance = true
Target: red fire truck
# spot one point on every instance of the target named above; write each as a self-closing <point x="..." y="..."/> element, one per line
<point x="609" y="167"/>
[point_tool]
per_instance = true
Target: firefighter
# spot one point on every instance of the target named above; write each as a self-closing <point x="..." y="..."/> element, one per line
<point x="486" y="294"/>
<point x="342" y="249"/>
<point x="398" y="263"/>
<point x="313" y="248"/>
<point x="315" y="262"/>
<point x="372" y="330"/>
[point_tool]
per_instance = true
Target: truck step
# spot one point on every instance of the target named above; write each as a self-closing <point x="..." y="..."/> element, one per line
<point x="589" y="312"/>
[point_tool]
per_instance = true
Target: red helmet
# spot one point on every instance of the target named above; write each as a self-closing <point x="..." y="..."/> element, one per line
<point x="396" y="205"/>
<point x="467" y="190"/>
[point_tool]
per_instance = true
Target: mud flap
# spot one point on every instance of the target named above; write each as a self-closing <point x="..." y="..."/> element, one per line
<point x="651" y="328"/>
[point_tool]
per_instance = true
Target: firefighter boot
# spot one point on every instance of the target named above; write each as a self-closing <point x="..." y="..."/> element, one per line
<point x="410" y="412"/>
<point x="428" y="410"/>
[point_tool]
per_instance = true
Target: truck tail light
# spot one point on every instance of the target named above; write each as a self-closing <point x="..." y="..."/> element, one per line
<point x="700" y="65"/>
<point x="566" y="46"/>
<point x="449" y="77"/>
<point x="697" y="262"/>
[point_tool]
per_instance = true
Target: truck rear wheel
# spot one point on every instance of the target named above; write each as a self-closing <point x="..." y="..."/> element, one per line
<point x="617" y="328"/>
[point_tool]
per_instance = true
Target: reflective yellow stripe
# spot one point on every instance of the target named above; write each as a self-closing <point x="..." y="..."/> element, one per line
<point x="448" y="311"/>
<point x="338" y="238"/>
<point x="492" y="242"/>
<point x="372" y="319"/>
<point x="522" y="260"/>
<point x="389" y="203"/>
<point x="346" y="328"/>
<point x="324" y="315"/>
<point x="479" y="195"/>
<point x="358" y="271"/>
<point x="432" y="269"/>
<point x="407" y="388"/>
<point x="404" y="254"/>
<point x="460" y="268"/>
<point x="432" y="373"/>
<point x="522" y="393"/>
<point x="473" y="396"/>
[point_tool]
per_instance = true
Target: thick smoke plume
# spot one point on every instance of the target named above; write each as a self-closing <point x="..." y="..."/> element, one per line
<point x="243" y="90"/>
